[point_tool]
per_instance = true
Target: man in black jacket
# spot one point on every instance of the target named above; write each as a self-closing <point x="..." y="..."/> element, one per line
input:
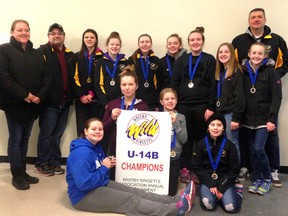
<point x="277" y="50"/>
<point x="54" y="113"/>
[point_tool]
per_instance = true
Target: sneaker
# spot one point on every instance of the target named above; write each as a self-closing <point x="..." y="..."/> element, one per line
<point x="184" y="175"/>
<point x="253" y="188"/>
<point x="243" y="175"/>
<point x="44" y="170"/>
<point x="187" y="199"/>
<point x="265" y="188"/>
<point x="275" y="179"/>
<point x="29" y="179"/>
<point x="58" y="170"/>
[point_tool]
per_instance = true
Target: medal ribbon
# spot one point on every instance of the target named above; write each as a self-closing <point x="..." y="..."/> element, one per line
<point x="253" y="76"/>
<point x="145" y="70"/>
<point x="130" y="107"/>
<point x="214" y="164"/>
<point x="169" y="66"/>
<point x="112" y="74"/>
<point x="173" y="142"/>
<point x="220" y="83"/>
<point x="89" y="62"/>
<point x="192" y="71"/>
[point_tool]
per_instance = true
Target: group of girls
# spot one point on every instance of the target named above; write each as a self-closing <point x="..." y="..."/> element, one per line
<point x="248" y="96"/>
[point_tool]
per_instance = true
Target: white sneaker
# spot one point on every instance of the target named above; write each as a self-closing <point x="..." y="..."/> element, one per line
<point x="275" y="179"/>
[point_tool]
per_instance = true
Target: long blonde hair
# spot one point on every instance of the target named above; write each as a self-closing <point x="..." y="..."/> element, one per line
<point x="233" y="64"/>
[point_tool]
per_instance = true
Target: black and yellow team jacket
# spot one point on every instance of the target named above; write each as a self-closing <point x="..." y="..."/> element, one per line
<point x="106" y="92"/>
<point x="57" y="96"/>
<point x="150" y="94"/>
<point x="275" y="44"/>
<point x="83" y="80"/>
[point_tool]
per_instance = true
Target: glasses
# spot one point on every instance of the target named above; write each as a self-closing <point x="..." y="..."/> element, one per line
<point x="56" y="33"/>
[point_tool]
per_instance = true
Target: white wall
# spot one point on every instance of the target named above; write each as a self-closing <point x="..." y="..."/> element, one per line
<point x="222" y="19"/>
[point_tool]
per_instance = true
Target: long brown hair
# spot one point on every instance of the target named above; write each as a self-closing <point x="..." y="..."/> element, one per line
<point x="233" y="65"/>
<point x="83" y="46"/>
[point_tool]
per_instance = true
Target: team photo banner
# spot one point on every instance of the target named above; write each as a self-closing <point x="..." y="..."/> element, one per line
<point x="143" y="150"/>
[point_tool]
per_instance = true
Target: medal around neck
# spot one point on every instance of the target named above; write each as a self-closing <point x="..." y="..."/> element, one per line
<point x="146" y="84"/>
<point x="112" y="82"/>
<point x="214" y="176"/>
<point x="253" y="90"/>
<point x="88" y="80"/>
<point x="190" y="84"/>
<point x="173" y="154"/>
<point x="218" y="103"/>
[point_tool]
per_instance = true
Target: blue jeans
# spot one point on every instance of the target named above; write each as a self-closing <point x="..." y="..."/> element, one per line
<point x="259" y="161"/>
<point x="20" y="121"/>
<point x="229" y="197"/>
<point x="232" y="135"/>
<point x="52" y="123"/>
<point x="272" y="149"/>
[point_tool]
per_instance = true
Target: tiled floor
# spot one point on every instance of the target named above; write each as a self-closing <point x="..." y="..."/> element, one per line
<point x="49" y="198"/>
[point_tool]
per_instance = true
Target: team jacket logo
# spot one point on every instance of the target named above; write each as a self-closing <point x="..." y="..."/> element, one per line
<point x="143" y="129"/>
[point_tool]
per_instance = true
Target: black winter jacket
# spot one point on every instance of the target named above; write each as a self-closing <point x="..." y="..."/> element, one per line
<point x="204" y="91"/>
<point x="80" y="85"/>
<point x="232" y="98"/>
<point x="55" y="96"/>
<point x="276" y="46"/>
<point x="149" y="95"/>
<point x="262" y="106"/>
<point x="22" y="71"/>
<point x="228" y="167"/>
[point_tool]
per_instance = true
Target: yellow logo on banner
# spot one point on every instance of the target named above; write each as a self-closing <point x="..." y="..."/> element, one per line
<point x="143" y="129"/>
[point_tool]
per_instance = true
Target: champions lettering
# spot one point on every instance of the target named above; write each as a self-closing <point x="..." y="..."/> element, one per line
<point x="142" y="167"/>
<point x="148" y="128"/>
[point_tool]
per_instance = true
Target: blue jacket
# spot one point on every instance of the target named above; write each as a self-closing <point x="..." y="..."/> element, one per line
<point x="84" y="169"/>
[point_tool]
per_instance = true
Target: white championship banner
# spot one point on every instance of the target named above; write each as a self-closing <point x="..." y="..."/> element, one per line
<point x="143" y="150"/>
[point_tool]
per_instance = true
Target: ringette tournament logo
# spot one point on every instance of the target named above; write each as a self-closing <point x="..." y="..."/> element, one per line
<point x="143" y="129"/>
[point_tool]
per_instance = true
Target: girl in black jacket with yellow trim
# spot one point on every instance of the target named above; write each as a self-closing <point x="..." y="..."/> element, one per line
<point x="86" y="101"/>
<point x="148" y="69"/>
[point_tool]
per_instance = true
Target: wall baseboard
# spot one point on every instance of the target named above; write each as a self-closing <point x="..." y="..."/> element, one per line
<point x="32" y="160"/>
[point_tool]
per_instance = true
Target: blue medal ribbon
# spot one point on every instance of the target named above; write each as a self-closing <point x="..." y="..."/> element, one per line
<point x="89" y="62"/>
<point x="253" y="76"/>
<point x="169" y="65"/>
<point x="214" y="164"/>
<point x="145" y="70"/>
<point x="173" y="142"/>
<point x="220" y="82"/>
<point x="112" y="74"/>
<point x="123" y="104"/>
<point x="192" y="70"/>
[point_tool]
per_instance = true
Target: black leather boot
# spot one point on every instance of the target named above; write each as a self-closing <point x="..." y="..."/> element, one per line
<point x="18" y="179"/>
<point x="27" y="178"/>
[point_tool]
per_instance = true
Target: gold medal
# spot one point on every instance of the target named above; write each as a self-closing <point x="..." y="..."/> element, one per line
<point x="88" y="80"/>
<point x="173" y="154"/>
<point x="214" y="176"/>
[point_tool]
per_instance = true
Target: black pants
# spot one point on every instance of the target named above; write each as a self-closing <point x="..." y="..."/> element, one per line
<point x="196" y="129"/>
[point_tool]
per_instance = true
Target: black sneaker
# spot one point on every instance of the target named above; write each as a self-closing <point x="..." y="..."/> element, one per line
<point x="30" y="179"/>
<point x="44" y="170"/>
<point x="58" y="170"/>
